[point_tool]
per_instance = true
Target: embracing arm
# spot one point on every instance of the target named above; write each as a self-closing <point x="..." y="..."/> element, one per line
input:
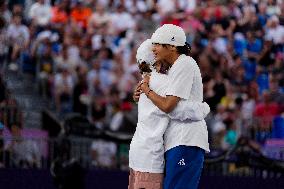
<point x="186" y="109"/>
<point x="177" y="108"/>
<point x="166" y="104"/>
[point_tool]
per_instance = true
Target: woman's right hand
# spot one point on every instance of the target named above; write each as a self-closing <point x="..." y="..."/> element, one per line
<point x="137" y="92"/>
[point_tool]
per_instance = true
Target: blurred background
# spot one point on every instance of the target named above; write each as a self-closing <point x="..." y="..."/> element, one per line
<point x="68" y="70"/>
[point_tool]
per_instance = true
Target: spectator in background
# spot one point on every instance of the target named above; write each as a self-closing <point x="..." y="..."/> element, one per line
<point x="272" y="8"/>
<point x="275" y="31"/>
<point x="98" y="112"/>
<point x="147" y="23"/>
<point x="121" y="21"/>
<point x="19" y="37"/>
<point x="266" y="57"/>
<point x="122" y="120"/>
<point x="93" y="79"/>
<point x="266" y="109"/>
<point x="253" y="25"/>
<point x="59" y="14"/>
<point x="40" y="14"/>
<point x="80" y="89"/>
<point x="73" y="51"/>
<point x="86" y="57"/>
<point x="18" y="9"/>
<point x="24" y="152"/>
<point x="80" y="14"/>
<point x="170" y="18"/>
<point x="63" y="60"/>
<point x="4" y="12"/>
<point x="165" y="7"/>
<point x="248" y="107"/>
<point x="105" y="56"/>
<point x="63" y="87"/>
<point x="219" y="86"/>
<point x="99" y="18"/>
<point x="103" y="154"/>
<point x="230" y="138"/>
<point x="217" y="123"/>
<point x="275" y="93"/>
<point x="46" y="69"/>
<point x="253" y="47"/>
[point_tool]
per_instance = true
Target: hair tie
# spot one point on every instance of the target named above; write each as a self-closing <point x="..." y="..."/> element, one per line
<point x="188" y="46"/>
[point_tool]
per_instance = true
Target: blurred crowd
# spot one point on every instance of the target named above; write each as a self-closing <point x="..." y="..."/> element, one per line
<point x="82" y="54"/>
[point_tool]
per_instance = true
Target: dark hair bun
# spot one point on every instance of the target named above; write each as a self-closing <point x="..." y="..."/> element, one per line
<point x="144" y="68"/>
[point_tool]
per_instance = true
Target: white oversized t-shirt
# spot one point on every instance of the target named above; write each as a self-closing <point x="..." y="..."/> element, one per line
<point x="185" y="81"/>
<point x="146" y="152"/>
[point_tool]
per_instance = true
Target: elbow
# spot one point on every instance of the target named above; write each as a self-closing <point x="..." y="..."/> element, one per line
<point x="169" y="106"/>
<point x="167" y="109"/>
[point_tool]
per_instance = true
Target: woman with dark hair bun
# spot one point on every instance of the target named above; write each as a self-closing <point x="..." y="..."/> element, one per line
<point x="185" y="141"/>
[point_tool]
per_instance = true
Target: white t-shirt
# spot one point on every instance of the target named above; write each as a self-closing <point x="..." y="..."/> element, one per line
<point x="41" y="13"/>
<point x="186" y="85"/>
<point x="276" y="34"/>
<point x="97" y="19"/>
<point x="146" y="152"/>
<point x="122" y="21"/>
<point x="106" y="152"/>
<point x="18" y="34"/>
<point x="60" y="81"/>
<point x="166" y="6"/>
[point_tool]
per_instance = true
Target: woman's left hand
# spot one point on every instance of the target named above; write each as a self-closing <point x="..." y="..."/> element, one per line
<point x="146" y="78"/>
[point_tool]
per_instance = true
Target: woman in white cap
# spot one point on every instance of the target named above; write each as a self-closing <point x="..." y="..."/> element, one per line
<point x="146" y="154"/>
<point x="185" y="141"/>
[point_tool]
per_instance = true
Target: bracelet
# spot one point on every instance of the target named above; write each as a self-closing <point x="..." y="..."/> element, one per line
<point x="147" y="94"/>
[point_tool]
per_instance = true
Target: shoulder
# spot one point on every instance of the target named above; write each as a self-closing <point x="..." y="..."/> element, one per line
<point x="189" y="61"/>
<point x="184" y="63"/>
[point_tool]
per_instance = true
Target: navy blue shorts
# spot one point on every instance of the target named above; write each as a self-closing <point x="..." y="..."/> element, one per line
<point x="183" y="167"/>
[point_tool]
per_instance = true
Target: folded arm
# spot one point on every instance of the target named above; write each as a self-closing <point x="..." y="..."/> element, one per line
<point x="177" y="108"/>
<point x="185" y="109"/>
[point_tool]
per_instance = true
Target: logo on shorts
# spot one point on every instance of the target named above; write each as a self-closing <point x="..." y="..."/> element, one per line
<point x="173" y="39"/>
<point x="181" y="162"/>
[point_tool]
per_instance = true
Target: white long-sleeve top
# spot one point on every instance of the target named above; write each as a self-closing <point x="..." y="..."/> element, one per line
<point x="146" y="152"/>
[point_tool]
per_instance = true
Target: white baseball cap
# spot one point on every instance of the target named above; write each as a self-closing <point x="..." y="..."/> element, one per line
<point x="169" y="34"/>
<point x="145" y="54"/>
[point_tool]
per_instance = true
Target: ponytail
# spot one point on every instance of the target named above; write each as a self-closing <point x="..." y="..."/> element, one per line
<point x="184" y="49"/>
<point x="144" y="68"/>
